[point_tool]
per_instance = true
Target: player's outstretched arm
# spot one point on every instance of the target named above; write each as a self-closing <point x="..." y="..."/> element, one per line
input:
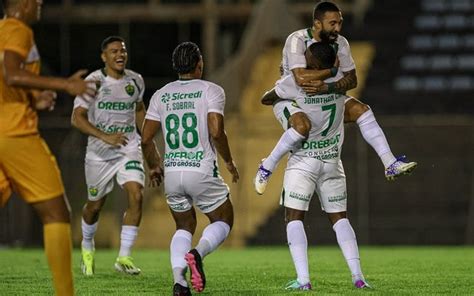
<point x="348" y="82"/>
<point x="16" y="75"/>
<point x="80" y="121"/>
<point x="215" y="122"/>
<point x="150" y="151"/>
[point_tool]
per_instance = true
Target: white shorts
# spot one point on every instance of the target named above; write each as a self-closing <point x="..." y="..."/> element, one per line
<point x="283" y="110"/>
<point x="100" y="174"/>
<point x="305" y="176"/>
<point x="183" y="189"/>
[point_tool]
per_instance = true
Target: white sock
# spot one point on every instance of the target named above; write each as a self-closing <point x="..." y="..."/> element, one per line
<point x="374" y="135"/>
<point x="348" y="243"/>
<point x="212" y="236"/>
<point x="299" y="249"/>
<point x="180" y="245"/>
<point x="127" y="239"/>
<point x="88" y="232"/>
<point x="288" y="141"/>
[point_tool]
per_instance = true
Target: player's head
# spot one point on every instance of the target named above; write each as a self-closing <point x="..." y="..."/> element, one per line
<point x="320" y="55"/>
<point x="114" y="53"/>
<point x="27" y="10"/>
<point x="187" y="59"/>
<point x="327" y="20"/>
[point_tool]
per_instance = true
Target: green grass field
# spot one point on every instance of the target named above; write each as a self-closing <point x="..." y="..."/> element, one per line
<point x="258" y="271"/>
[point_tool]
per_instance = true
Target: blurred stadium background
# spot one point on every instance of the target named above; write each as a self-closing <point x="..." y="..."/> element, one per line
<point x="415" y="64"/>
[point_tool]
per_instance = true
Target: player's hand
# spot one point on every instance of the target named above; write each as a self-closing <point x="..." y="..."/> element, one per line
<point x="233" y="171"/>
<point x="76" y="86"/>
<point x="45" y="100"/>
<point x="116" y="140"/>
<point x="156" y="176"/>
<point x="312" y="87"/>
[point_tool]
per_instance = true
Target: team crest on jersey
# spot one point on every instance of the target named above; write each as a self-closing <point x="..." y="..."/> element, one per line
<point x="130" y="89"/>
<point x="93" y="191"/>
<point x="165" y="98"/>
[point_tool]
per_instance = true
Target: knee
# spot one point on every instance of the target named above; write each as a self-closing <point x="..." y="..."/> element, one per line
<point x="93" y="207"/>
<point x="301" y="123"/>
<point x="135" y="199"/>
<point x="355" y="110"/>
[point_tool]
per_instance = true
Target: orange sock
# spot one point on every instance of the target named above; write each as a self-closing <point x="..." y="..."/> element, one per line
<point x="58" y="248"/>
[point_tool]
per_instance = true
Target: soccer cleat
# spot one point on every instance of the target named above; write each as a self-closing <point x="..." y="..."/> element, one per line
<point x="295" y="285"/>
<point x="125" y="264"/>
<point x="198" y="278"/>
<point x="399" y="168"/>
<point x="361" y="284"/>
<point x="87" y="262"/>
<point x="179" y="290"/>
<point x="261" y="179"/>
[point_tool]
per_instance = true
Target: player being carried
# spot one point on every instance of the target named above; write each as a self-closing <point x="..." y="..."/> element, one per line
<point x="327" y="23"/>
<point x="316" y="167"/>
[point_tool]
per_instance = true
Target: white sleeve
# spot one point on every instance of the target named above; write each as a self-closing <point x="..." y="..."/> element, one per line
<point x="286" y="88"/>
<point x="216" y="99"/>
<point x="294" y="50"/>
<point x="141" y="84"/>
<point x="80" y="101"/>
<point x="153" y="109"/>
<point x="346" y="62"/>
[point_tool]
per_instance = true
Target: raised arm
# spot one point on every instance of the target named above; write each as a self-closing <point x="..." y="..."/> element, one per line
<point x="15" y="75"/>
<point x="215" y="122"/>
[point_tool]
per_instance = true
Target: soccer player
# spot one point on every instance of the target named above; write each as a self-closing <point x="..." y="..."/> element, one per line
<point x="113" y="150"/>
<point x="192" y="113"/>
<point x="327" y="23"/>
<point x="26" y="163"/>
<point x="317" y="167"/>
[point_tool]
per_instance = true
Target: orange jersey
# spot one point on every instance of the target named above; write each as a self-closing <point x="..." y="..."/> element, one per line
<point x="17" y="116"/>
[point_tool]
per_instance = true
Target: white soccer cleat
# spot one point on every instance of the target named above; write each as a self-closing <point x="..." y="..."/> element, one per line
<point x="399" y="168"/>
<point x="261" y="179"/>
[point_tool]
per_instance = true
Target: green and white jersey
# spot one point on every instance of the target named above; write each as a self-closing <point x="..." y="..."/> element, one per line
<point x="113" y="111"/>
<point x="296" y="45"/>
<point x="182" y="107"/>
<point x="326" y="113"/>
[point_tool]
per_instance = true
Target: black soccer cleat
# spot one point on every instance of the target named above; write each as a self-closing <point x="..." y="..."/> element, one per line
<point x="179" y="290"/>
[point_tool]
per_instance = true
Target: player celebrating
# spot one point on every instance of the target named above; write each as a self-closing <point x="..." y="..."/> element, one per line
<point x="113" y="150"/>
<point x="26" y="164"/>
<point x="190" y="112"/>
<point x="316" y="167"/>
<point x="327" y="23"/>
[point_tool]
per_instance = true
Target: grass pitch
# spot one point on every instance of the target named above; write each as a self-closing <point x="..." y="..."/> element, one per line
<point x="257" y="271"/>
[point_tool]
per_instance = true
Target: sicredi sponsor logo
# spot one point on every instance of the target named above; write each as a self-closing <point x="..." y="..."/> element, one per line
<point x="166" y="97"/>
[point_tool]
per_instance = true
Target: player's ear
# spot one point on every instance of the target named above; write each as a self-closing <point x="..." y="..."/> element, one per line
<point x="102" y="56"/>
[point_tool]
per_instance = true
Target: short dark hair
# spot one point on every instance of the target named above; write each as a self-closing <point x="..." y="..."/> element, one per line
<point x="109" y="40"/>
<point x="185" y="57"/>
<point x="324" y="53"/>
<point x="322" y="7"/>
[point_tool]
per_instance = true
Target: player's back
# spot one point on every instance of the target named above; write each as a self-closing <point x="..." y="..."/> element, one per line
<point x="182" y="107"/>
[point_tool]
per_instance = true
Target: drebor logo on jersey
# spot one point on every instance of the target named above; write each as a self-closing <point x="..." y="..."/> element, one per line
<point x="166" y="97"/>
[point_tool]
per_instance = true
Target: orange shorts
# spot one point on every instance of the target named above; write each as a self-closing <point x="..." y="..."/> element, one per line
<point x="29" y="168"/>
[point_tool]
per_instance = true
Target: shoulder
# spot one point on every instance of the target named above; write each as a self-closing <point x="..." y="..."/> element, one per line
<point x="213" y="86"/>
<point x="134" y="75"/>
<point x="342" y="41"/>
<point x="298" y="35"/>
<point x="95" y="75"/>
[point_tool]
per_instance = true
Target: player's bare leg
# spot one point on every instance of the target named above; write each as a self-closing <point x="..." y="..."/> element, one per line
<point x="356" y="111"/>
<point x="298" y="244"/>
<point x="300" y="125"/>
<point x="55" y="215"/>
<point x="129" y="233"/>
<point x="347" y="241"/>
